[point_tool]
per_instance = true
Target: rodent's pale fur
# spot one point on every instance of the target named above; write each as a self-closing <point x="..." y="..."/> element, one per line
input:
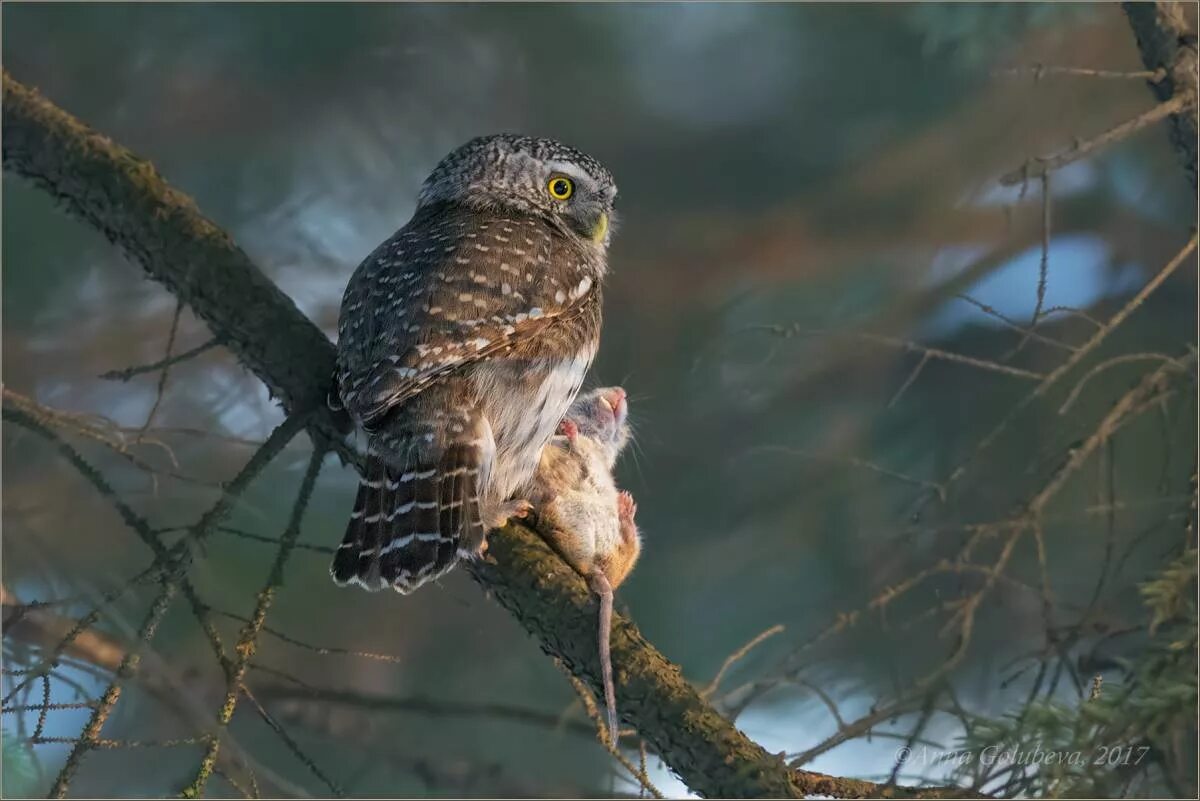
<point x="579" y="507"/>
<point x="583" y="515"/>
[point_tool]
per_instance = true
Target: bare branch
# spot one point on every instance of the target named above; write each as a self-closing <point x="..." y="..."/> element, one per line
<point x="609" y="740"/>
<point x="176" y="569"/>
<point x="291" y="744"/>
<point x="160" y="228"/>
<point x="129" y="372"/>
<point x="1106" y="364"/>
<point x="1039" y="166"/>
<point x="1075" y="358"/>
<point x="738" y="655"/>
<point x="323" y="650"/>
<point x="1029" y="332"/>
<point x="31" y="624"/>
<point x="162" y="555"/>
<point x="1043" y="270"/>
<point x="906" y="345"/>
<point x="1039" y="71"/>
<point x="165" y="373"/>
<point x="248" y="641"/>
<point x="423" y="706"/>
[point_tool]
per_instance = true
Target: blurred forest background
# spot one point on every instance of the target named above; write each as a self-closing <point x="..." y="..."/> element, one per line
<point x="804" y="189"/>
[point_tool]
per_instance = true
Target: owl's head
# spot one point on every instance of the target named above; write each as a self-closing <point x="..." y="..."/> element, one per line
<point x="528" y="175"/>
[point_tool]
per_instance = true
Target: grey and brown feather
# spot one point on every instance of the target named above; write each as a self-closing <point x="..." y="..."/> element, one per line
<point x="462" y="341"/>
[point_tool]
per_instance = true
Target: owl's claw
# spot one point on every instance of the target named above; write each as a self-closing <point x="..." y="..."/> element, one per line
<point x="507" y="511"/>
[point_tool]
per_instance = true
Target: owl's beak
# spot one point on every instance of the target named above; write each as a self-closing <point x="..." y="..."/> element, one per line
<point x="600" y="230"/>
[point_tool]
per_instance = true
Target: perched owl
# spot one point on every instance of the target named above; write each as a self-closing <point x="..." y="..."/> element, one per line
<point x="462" y="341"/>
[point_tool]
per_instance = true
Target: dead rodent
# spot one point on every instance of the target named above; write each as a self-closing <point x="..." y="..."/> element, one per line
<point x="581" y="513"/>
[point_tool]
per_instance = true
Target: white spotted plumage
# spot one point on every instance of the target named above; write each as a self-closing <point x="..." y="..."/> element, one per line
<point x="462" y="341"/>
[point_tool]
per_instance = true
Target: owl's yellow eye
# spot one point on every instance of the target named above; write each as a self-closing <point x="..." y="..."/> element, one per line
<point x="560" y="188"/>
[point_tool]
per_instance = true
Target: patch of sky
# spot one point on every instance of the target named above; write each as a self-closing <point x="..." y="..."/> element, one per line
<point x="1080" y="274"/>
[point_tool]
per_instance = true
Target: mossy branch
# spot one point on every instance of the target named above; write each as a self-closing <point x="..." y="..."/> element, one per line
<point x="160" y="228"/>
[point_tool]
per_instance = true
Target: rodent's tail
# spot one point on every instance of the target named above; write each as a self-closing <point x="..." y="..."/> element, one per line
<point x="603" y="589"/>
<point x="411" y="514"/>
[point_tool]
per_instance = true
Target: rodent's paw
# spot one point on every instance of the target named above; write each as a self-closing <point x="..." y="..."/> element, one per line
<point x="626" y="505"/>
<point x="568" y="429"/>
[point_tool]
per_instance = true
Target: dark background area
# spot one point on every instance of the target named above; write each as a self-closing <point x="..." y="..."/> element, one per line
<point x="827" y="167"/>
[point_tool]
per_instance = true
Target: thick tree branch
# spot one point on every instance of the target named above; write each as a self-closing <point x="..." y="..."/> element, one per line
<point x="712" y="756"/>
<point x="1167" y="43"/>
<point x="160" y="228"/>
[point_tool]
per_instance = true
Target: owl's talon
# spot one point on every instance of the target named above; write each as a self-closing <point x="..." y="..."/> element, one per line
<point x="506" y="512"/>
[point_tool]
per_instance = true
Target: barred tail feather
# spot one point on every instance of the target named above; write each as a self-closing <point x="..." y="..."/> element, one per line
<point x="412" y="523"/>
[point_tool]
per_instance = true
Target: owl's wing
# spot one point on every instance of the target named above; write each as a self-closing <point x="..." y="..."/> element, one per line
<point x="446" y="291"/>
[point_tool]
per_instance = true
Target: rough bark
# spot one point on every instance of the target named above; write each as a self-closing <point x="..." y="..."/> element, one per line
<point x="712" y="756"/>
<point x="1168" y="43"/>
<point x="160" y="228"/>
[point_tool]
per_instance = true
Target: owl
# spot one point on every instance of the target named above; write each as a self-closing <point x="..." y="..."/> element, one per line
<point x="462" y="341"/>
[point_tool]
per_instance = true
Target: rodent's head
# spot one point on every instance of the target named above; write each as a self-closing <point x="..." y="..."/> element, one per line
<point x="529" y="175"/>
<point x="603" y="415"/>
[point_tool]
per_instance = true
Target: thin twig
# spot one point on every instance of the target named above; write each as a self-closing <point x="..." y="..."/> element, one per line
<point x="909" y="346"/>
<point x="248" y="641"/>
<point x="323" y="650"/>
<point x="247" y="535"/>
<point x="1113" y="362"/>
<point x="166" y="370"/>
<point x="1039" y="71"/>
<point x="738" y="655"/>
<point x="163" y="556"/>
<point x="423" y="706"/>
<point x="91" y="732"/>
<point x="102" y="430"/>
<point x="593" y="712"/>
<point x="1040" y="165"/>
<point x="1072" y="312"/>
<point x="1043" y="269"/>
<point x="908" y="382"/>
<point x="1029" y="332"/>
<point x="853" y="461"/>
<point x="51" y="707"/>
<point x="129" y="372"/>
<point x="175" y="576"/>
<point x="291" y="744"/>
<point x="1075" y="358"/>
